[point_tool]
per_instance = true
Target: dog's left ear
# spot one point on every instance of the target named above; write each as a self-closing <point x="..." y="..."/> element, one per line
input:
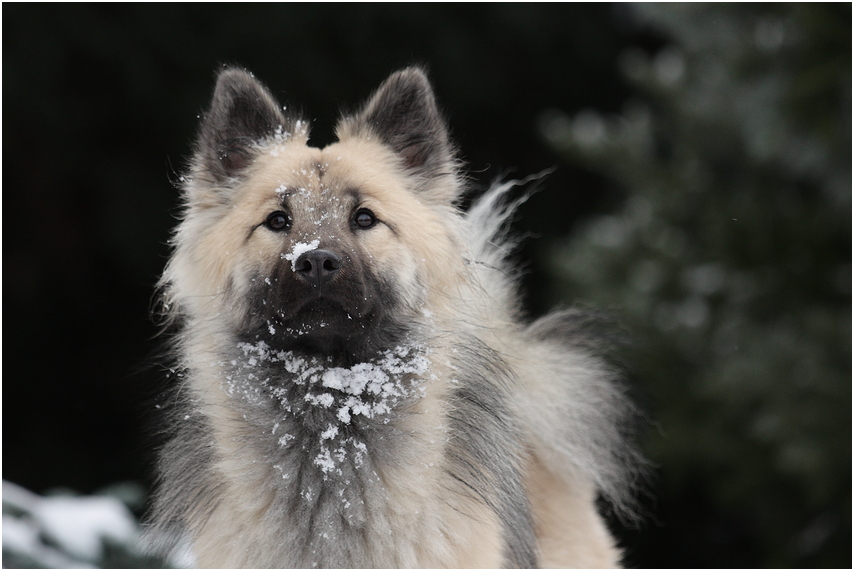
<point x="403" y="115"/>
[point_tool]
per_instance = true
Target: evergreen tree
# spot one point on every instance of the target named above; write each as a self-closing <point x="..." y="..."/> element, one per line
<point x="730" y="259"/>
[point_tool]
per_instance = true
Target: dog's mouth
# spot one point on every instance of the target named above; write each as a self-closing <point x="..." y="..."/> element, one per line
<point x="321" y="325"/>
<point x="346" y="319"/>
<point x="323" y="315"/>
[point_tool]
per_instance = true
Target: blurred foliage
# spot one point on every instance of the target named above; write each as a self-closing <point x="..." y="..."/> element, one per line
<point x="731" y="259"/>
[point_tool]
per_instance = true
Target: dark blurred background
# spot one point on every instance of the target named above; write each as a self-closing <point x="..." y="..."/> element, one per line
<point x="702" y="191"/>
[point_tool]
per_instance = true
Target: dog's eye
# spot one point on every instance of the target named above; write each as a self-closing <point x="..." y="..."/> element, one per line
<point x="277" y="221"/>
<point x="364" y="218"/>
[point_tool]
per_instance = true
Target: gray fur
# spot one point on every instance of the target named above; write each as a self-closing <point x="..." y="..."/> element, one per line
<point x="488" y="453"/>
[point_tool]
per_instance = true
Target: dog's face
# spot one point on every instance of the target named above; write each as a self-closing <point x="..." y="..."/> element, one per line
<point x="332" y="251"/>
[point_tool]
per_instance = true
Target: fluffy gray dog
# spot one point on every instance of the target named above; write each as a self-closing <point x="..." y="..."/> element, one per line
<point x="356" y="386"/>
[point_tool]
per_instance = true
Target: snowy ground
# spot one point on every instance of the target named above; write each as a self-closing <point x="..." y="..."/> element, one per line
<point x="65" y="531"/>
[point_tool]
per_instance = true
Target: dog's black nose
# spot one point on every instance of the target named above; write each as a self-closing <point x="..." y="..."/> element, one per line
<point x="317" y="266"/>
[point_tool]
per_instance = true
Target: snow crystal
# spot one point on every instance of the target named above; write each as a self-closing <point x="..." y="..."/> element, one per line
<point x="285" y="475"/>
<point x="286" y="440"/>
<point x="344" y="414"/>
<point x="330" y="432"/>
<point x="361" y="451"/>
<point x="325" y="400"/>
<point x="298" y="250"/>
<point x="281" y="135"/>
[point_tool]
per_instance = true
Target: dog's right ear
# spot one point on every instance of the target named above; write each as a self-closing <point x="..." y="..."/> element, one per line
<point x="242" y="115"/>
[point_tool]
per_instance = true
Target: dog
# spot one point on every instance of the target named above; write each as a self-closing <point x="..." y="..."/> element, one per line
<point x="355" y="384"/>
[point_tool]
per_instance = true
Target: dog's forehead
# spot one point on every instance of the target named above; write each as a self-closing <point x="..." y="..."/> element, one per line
<point x="305" y="178"/>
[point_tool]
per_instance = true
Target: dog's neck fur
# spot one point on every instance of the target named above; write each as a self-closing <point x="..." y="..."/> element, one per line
<point x="331" y="490"/>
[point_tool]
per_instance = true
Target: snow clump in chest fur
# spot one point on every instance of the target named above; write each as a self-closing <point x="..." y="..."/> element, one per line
<point x="282" y="390"/>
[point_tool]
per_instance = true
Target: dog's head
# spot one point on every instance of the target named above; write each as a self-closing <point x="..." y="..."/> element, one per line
<point x="333" y="251"/>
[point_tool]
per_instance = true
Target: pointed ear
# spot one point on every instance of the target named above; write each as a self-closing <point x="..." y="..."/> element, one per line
<point x="403" y="115"/>
<point x="242" y="114"/>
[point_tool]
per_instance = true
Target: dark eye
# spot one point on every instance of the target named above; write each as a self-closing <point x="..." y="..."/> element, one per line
<point x="364" y="218"/>
<point x="277" y="221"/>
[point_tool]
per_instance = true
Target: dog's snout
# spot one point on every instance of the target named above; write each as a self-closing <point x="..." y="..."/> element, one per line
<point x="317" y="266"/>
